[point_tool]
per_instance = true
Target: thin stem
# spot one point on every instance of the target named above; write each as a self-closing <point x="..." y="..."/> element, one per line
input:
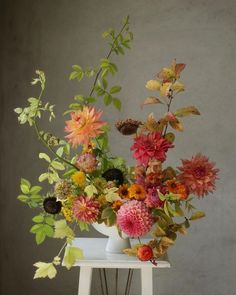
<point x="107" y="56"/>
<point x="62" y="248"/>
<point x="43" y="140"/>
<point x="168" y="109"/>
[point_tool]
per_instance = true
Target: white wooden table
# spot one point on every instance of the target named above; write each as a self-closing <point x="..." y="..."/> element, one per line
<point x="96" y="257"/>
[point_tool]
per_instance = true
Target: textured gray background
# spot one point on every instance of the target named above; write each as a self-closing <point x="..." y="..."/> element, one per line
<point x="53" y="35"/>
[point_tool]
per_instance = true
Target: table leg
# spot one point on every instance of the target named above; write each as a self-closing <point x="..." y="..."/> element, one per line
<point x="146" y="281"/>
<point x="85" y="279"/>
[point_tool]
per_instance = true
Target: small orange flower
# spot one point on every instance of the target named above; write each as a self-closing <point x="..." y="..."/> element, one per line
<point x="176" y="187"/>
<point x="116" y="205"/>
<point x="123" y="191"/>
<point x="137" y="192"/>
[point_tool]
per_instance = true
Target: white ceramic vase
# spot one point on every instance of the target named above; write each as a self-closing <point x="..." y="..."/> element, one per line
<point x="115" y="244"/>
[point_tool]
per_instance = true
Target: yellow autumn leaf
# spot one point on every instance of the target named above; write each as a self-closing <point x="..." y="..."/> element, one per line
<point x="153" y="85"/>
<point x="170" y="137"/>
<point x="151" y="100"/>
<point x="197" y="215"/>
<point x="183" y="112"/>
<point x="166" y="74"/>
<point x="177" y="125"/>
<point x="159" y="232"/>
<point x="45" y="270"/>
<point x="178" y="87"/>
<point x="165" y="89"/>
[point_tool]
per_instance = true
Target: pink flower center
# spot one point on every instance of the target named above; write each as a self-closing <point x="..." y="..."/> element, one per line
<point x="199" y="172"/>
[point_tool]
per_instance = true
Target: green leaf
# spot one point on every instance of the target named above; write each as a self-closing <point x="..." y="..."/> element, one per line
<point x="49" y="220"/>
<point x="45" y="270"/>
<point x="71" y="255"/>
<point x="62" y="230"/>
<point x="36" y="198"/>
<point x="107" y="99"/>
<point x="79" y="98"/>
<point x="35" y="228"/>
<point x="35" y="189"/>
<point x="83" y="226"/>
<point x="115" y="89"/>
<point x="197" y="215"/>
<point x="45" y="157"/>
<point x="18" y="110"/>
<point x="38" y="218"/>
<point x="166" y="209"/>
<point x="117" y="103"/>
<point x="60" y="151"/>
<point x="69" y="172"/>
<point x="43" y="177"/>
<point x="24" y="188"/>
<point x="48" y="230"/>
<point x="90" y="190"/>
<point x="25" y="182"/>
<point x="23" y="198"/>
<point x="107" y="212"/>
<point x="104" y="83"/>
<point x="57" y="165"/>
<point x="40" y="237"/>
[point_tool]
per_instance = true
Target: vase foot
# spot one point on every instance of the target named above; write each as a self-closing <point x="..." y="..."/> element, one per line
<point x="117" y="245"/>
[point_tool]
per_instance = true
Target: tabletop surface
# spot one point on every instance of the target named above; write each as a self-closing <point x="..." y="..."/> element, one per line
<point x="96" y="256"/>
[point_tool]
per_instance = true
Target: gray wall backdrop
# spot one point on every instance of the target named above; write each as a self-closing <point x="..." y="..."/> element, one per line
<point x="53" y="35"/>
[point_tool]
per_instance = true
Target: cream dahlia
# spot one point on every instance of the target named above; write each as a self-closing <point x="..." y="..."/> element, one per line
<point x="198" y="175"/>
<point x="86" y="209"/>
<point x="149" y="147"/>
<point x="87" y="162"/>
<point x="134" y="218"/>
<point x="83" y="126"/>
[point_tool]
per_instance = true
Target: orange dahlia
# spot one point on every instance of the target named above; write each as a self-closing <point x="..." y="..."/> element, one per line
<point x="199" y="175"/>
<point x="173" y="186"/>
<point x="83" y="126"/>
<point x="137" y="191"/>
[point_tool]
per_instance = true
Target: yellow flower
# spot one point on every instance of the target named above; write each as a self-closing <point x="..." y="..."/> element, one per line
<point x="137" y="191"/>
<point x="79" y="178"/>
<point x="153" y="85"/>
<point x="68" y="213"/>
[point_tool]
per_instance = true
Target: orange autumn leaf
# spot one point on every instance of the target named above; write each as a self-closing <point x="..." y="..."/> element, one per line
<point x="172" y="73"/>
<point x="174" y="122"/>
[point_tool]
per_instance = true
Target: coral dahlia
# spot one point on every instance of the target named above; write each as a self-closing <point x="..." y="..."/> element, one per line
<point x="83" y="126"/>
<point x="134" y="218"/>
<point x="198" y="175"/>
<point x="150" y="146"/>
<point x="86" y="209"/>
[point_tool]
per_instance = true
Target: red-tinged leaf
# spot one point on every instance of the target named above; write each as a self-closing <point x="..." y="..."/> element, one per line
<point x="183" y="112"/>
<point x="178" y="69"/>
<point x="151" y="100"/>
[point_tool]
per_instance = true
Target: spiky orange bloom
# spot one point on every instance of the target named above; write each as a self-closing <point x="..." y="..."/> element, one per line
<point x="123" y="191"/>
<point x="137" y="191"/>
<point x="116" y="205"/>
<point x="173" y="186"/>
<point x="83" y="126"/>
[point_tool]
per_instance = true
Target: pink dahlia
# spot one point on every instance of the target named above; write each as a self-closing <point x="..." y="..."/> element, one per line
<point x="198" y="175"/>
<point x="152" y="199"/>
<point x="86" y="209"/>
<point x="134" y="218"/>
<point x="84" y="125"/>
<point x="149" y="147"/>
<point x="87" y="162"/>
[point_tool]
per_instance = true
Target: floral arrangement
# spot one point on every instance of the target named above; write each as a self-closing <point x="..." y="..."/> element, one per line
<point x="89" y="185"/>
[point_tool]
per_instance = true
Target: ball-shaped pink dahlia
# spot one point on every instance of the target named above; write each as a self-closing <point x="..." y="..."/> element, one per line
<point x="86" y="209"/>
<point x="198" y="175"/>
<point x="87" y="162"/>
<point x="134" y="218"/>
<point x="150" y="146"/>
